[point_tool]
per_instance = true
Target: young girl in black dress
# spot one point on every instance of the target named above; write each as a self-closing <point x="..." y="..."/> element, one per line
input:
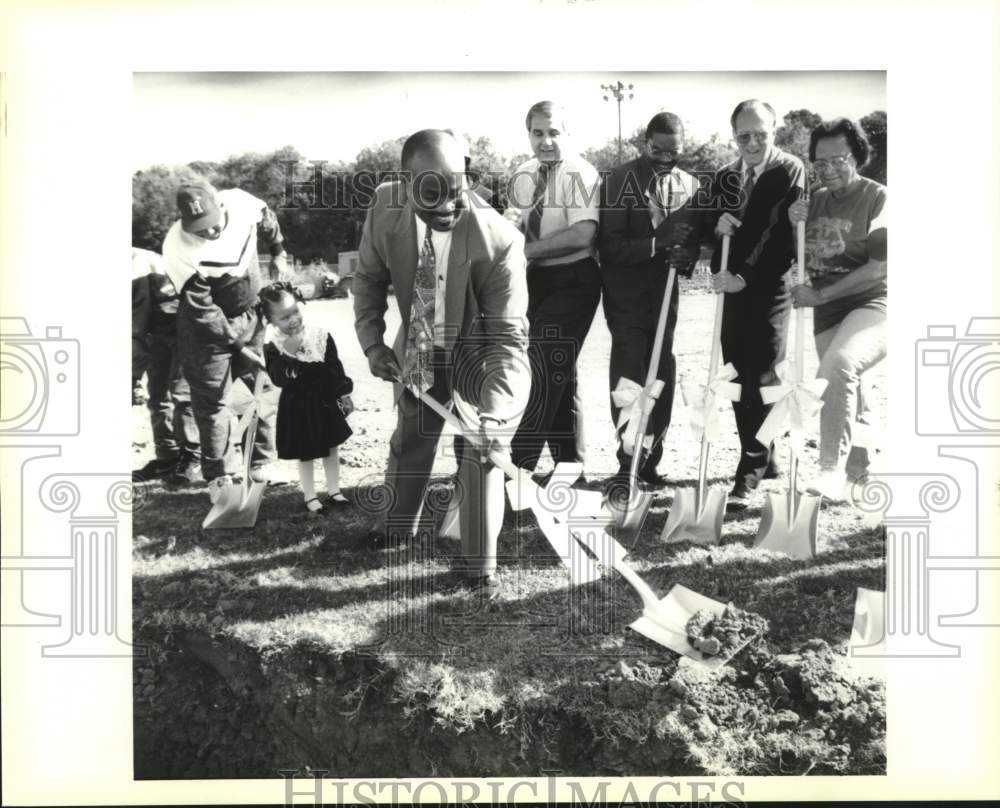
<point x="315" y="400"/>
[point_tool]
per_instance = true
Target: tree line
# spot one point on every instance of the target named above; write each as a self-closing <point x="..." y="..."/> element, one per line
<point x="321" y="207"/>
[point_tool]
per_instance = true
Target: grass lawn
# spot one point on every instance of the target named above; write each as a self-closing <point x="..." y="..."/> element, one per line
<point x="309" y="636"/>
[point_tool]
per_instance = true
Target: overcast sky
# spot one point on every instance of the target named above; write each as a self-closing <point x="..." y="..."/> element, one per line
<point x="180" y="117"/>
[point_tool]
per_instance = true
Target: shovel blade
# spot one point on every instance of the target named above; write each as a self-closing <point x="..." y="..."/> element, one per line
<point x="685" y="523"/>
<point x="237" y="507"/>
<point x="628" y="512"/>
<point x="798" y="539"/>
<point x="668" y="624"/>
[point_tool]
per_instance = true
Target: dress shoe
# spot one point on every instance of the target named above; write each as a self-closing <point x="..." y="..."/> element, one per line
<point x="652" y="478"/>
<point x="739" y="498"/>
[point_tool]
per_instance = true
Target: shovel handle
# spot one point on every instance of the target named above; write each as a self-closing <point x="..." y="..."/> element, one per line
<point x="648" y="596"/>
<point x="654" y="367"/>
<point x="498" y="460"/>
<point x="253" y="357"/>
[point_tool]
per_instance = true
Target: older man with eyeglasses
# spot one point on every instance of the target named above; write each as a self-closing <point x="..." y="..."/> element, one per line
<point x="753" y="196"/>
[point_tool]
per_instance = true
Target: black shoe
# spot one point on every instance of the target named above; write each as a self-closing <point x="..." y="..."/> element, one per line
<point x="771" y="472"/>
<point x="187" y="471"/>
<point x="153" y="470"/>
<point x="652" y="478"/>
<point x="739" y="497"/>
<point x="337" y="500"/>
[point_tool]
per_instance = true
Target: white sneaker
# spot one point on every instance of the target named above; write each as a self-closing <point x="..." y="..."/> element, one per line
<point x="830" y="485"/>
<point x="217" y="486"/>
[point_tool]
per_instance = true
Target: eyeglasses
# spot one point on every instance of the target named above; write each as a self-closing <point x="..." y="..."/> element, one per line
<point x="743" y="138"/>
<point x="838" y="161"/>
<point x="656" y="152"/>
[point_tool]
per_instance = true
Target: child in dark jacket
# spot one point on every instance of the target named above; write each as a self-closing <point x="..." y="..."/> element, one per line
<point x="315" y="400"/>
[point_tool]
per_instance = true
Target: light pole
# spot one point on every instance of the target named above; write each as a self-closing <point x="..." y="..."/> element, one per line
<point x="618" y="90"/>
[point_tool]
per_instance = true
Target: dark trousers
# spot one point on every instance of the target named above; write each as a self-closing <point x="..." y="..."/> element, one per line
<point x="754" y="338"/>
<point x="169" y="404"/>
<point x="632" y="300"/>
<point x="210" y="370"/>
<point x="562" y="301"/>
<point x="480" y="486"/>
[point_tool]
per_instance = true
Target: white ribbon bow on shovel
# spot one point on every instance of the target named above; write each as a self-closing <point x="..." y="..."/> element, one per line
<point x="701" y="400"/>
<point x="794" y="402"/>
<point x="634" y="400"/>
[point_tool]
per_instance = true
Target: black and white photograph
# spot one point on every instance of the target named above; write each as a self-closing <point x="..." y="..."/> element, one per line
<point x="504" y="436"/>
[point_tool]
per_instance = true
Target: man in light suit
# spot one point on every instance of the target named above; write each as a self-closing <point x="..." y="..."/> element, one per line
<point x="458" y="271"/>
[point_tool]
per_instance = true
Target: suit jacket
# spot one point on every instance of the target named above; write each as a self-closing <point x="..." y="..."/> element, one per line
<point x="626" y="230"/>
<point x="486" y="298"/>
<point x="763" y="247"/>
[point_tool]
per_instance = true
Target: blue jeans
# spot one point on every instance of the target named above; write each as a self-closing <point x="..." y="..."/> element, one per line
<point x="846" y="352"/>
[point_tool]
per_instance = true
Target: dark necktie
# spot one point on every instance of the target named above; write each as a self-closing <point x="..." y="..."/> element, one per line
<point x="748" y="182"/>
<point x="417" y="370"/>
<point x="534" y="230"/>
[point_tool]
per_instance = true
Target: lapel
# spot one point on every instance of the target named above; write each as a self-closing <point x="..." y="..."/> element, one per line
<point x="402" y="254"/>
<point x="457" y="281"/>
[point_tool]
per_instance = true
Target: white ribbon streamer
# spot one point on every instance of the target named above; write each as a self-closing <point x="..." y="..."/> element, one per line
<point x="794" y="403"/>
<point x="702" y="399"/>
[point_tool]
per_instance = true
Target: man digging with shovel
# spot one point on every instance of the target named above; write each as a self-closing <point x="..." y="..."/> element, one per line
<point x="647" y="227"/>
<point x="211" y="257"/>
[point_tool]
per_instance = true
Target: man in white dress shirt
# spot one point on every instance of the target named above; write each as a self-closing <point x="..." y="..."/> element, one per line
<point x="554" y="198"/>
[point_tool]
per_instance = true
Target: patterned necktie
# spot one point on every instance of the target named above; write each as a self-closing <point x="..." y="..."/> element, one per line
<point x="417" y="370"/>
<point x="662" y="200"/>
<point x="534" y="229"/>
<point x="748" y="180"/>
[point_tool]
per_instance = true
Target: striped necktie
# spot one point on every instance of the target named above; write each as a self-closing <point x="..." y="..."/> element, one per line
<point x="417" y="370"/>
<point x="534" y="229"/>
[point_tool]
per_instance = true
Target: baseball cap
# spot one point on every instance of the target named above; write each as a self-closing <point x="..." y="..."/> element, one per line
<point x="199" y="206"/>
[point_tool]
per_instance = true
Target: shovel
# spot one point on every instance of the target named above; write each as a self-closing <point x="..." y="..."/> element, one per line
<point x="237" y="505"/>
<point x="788" y="521"/>
<point x="662" y="621"/>
<point x="523" y="493"/>
<point x="697" y="515"/>
<point x="630" y="514"/>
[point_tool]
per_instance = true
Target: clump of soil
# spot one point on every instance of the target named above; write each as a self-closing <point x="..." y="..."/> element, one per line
<point x="726" y="634"/>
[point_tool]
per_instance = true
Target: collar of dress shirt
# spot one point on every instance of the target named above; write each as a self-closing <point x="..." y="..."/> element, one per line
<point x="440" y="238"/>
<point x="757" y="169"/>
